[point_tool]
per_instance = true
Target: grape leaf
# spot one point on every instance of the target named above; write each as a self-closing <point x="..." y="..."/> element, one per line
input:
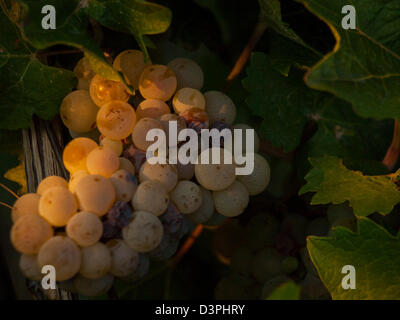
<point x="372" y="251"/>
<point x="28" y="87"/>
<point x="334" y="183"/>
<point x="131" y="16"/>
<point x="364" y="66"/>
<point x="17" y="174"/>
<point x="286" y="291"/>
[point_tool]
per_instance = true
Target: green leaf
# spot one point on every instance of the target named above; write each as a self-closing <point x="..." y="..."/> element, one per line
<point x="286" y="291"/>
<point x="27" y="86"/>
<point x="334" y="183"/>
<point x="372" y="251"/>
<point x="364" y="66"/>
<point x="71" y="30"/>
<point x="131" y="16"/>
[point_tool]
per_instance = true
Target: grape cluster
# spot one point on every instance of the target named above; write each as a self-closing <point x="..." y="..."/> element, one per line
<point x="117" y="209"/>
<point x="269" y="250"/>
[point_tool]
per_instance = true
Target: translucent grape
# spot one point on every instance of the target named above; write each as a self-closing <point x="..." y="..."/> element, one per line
<point x="166" y="174"/>
<point x="93" y="287"/>
<point x="116" y="120"/>
<point x="243" y="128"/>
<point x="85" y="228"/>
<point x="62" y="253"/>
<point x="157" y="82"/>
<point x="125" y="184"/>
<point x="258" y="180"/>
<point x="151" y="196"/>
<point x="127" y="165"/>
<point x="103" y="90"/>
<point x="75" y="178"/>
<point x="188" y="98"/>
<point x="144" y="232"/>
<point x="124" y="260"/>
<point x="78" y="112"/>
<point x="152" y="108"/>
<point x="84" y="73"/>
<point x="114" y="145"/>
<point x="131" y="64"/>
<point x="102" y="161"/>
<point x="96" y="261"/>
<point x="28" y="264"/>
<point x="231" y="201"/>
<point x="51" y="182"/>
<point x="188" y="73"/>
<point x="220" y="107"/>
<point x="76" y="152"/>
<point x="25" y="205"/>
<point x="215" y="176"/>
<point x="96" y="194"/>
<point x="57" y="205"/>
<point x="206" y="209"/>
<point x="139" y="133"/>
<point x="187" y="196"/>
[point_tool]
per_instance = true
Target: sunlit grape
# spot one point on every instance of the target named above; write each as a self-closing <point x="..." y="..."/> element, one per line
<point x="103" y="90"/>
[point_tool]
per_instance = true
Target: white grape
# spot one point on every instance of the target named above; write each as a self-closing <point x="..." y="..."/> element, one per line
<point x="127" y="165"/>
<point x="152" y="108"/>
<point x="78" y="112"/>
<point x="151" y="196"/>
<point x="85" y="228"/>
<point x="220" y="107"/>
<point x="231" y="201"/>
<point x="95" y="194"/>
<point x="62" y="253"/>
<point x="139" y="133"/>
<point x="125" y="185"/>
<point x="124" y="260"/>
<point x="93" y="287"/>
<point x="25" y="205"/>
<point x="166" y="174"/>
<point x="96" y="261"/>
<point x="258" y="180"/>
<point x="131" y="64"/>
<point x="144" y="232"/>
<point x="75" y="178"/>
<point x="84" y="73"/>
<point x="180" y="125"/>
<point x="157" y="82"/>
<point x="28" y="265"/>
<point x="115" y="145"/>
<point x="102" y="161"/>
<point x="188" y="98"/>
<point x="76" y="152"/>
<point x="188" y="73"/>
<point x="51" y="182"/>
<point x="206" y="209"/>
<point x="187" y="196"/>
<point x="57" y="205"/>
<point x="103" y="90"/>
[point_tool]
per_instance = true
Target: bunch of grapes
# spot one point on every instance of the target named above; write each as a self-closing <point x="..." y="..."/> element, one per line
<point x="117" y="209"/>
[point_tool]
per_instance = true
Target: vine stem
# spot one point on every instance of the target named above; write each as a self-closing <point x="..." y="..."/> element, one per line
<point x="393" y="152"/>
<point x="244" y="56"/>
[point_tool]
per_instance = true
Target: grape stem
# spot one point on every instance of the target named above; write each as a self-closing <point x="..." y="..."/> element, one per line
<point x="187" y="245"/>
<point x="5" y="204"/>
<point x="393" y="152"/>
<point x="244" y="56"/>
<point x="9" y="190"/>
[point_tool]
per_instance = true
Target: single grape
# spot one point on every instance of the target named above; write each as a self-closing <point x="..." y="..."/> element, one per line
<point x="93" y="287"/>
<point x="62" y="253"/>
<point x="218" y="176"/>
<point x="103" y="90"/>
<point x="289" y="264"/>
<point x="206" y="209"/>
<point x="78" y="112"/>
<point x="84" y="73"/>
<point x="152" y="108"/>
<point x="119" y="215"/>
<point x="28" y="264"/>
<point x="151" y="196"/>
<point x="125" y="184"/>
<point x="196" y="119"/>
<point x="187" y="196"/>
<point x="57" y="205"/>
<point x="266" y="264"/>
<point x="261" y="231"/>
<point x="220" y="107"/>
<point x="243" y="127"/>
<point x="76" y="152"/>
<point x="135" y="156"/>
<point x="75" y="178"/>
<point x="85" y="228"/>
<point x="131" y="64"/>
<point x="140" y="131"/>
<point x="157" y="82"/>
<point x="144" y="232"/>
<point x="258" y="180"/>
<point x="95" y="194"/>
<point x="166" y="174"/>
<point x="165" y="122"/>
<point x="231" y="201"/>
<point x="115" y="145"/>
<point x="96" y="261"/>
<point x="188" y="73"/>
<point x="116" y="120"/>
<point x="124" y="260"/>
<point x="102" y="161"/>
<point x="127" y="165"/>
<point x="25" y="205"/>
<point x="172" y="220"/>
<point x="51" y="182"/>
<point x="188" y="98"/>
